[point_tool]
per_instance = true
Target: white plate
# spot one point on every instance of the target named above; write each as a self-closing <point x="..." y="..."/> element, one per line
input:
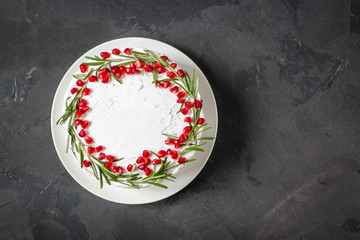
<point x="128" y="195"/>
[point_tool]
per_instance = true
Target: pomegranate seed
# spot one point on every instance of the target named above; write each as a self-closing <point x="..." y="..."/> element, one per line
<point x="142" y="166"/>
<point x="201" y="121"/>
<point x="169" y="151"/>
<point x="187" y="120"/>
<point x="108" y="164"/>
<point x="128" y="71"/>
<point x="166" y="84"/>
<point x="122" y="69"/>
<point x="148" y="68"/>
<point x="180" y="73"/>
<point x="104" y="55"/>
<point x="88" y="139"/>
<point x="161" y="70"/>
<point x="78" y="113"/>
<point x="147" y="161"/>
<point x="85" y="123"/>
<point x="169" y="141"/>
<point x="139" y="63"/>
<point x="198" y="104"/>
<point x="181" y="160"/>
<point x="159" y="84"/>
<point x="174" y="154"/>
<point x="86" y="91"/>
<point x="132" y="65"/>
<point x="86" y="163"/>
<point x="102" y="156"/>
<point x="184" y="111"/>
<point x="156" y="161"/>
<point x="189" y="104"/>
<point x="136" y="71"/>
<point x="187" y="129"/>
<point x="82" y="103"/>
<point x="147" y="171"/>
<point x="110" y="158"/>
<point x="156" y="65"/>
<point x="103" y="71"/>
<point x="90" y="150"/>
<point x="118" y="74"/>
<point x="146" y="153"/>
<point x="180" y="100"/>
<point x="174" y="89"/>
<point x="115" y="69"/>
<point x="173" y="65"/>
<point x="85" y="109"/>
<point x="84" y="68"/>
<point x="140" y="160"/>
<point x="162" y="153"/>
<point x="127" y="51"/>
<point x="130" y="167"/>
<point x="118" y="169"/>
<point x="78" y="122"/>
<point x="82" y="133"/>
<point x="99" y="148"/>
<point x="104" y="78"/>
<point x="165" y="58"/>
<point x="170" y="75"/>
<point x="182" y="138"/>
<point x="116" y="51"/>
<point x="177" y="145"/>
<point x="74" y="90"/>
<point x="181" y="94"/>
<point x="79" y="83"/>
<point x="92" y="78"/>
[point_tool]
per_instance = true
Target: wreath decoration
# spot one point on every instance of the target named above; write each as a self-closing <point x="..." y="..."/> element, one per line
<point x="156" y="166"/>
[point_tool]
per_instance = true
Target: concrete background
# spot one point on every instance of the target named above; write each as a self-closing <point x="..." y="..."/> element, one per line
<point x="285" y="74"/>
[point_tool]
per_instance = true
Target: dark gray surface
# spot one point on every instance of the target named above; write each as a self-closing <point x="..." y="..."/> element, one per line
<point x="285" y="74"/>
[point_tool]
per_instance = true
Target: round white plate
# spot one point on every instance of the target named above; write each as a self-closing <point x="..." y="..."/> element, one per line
<point x="128" y="195"/>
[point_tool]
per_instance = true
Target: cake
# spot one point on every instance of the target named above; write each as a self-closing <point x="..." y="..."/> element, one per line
<point x="134" y="117"/>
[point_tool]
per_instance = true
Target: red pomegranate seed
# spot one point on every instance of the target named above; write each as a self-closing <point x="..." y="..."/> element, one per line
<point x="156" y="161"/>
<point x="166" y="84"/>
<point x="79" y="83"/>
<point x="169" y="151"/>
<point x="103" y="71"/>
<point x="115" y="69"/>
<point x="162" y="153"/>
<point x="110" y="158"/>
<point x="180" y="100"/>
<point x="184" y="111"/>
<point x="88" y="139"/>
<point x="181" y="160"/>
<point x="86" y="163"/>
<point x="132" y="65"/>
<point x="187" y="129"/>
<point x="108" y="164"/>
<point x="156" y="65"/>
<point x="161" y="70"/>
<point x="102" y="156"/>
<point x="104" y="78"/>
<point x="146" y="153"/>
<point x="198" y="104"/>
<point x="83" y="68"/>
<point x="74" y="90"/>
<point x="189" y="104"/>
<point x="86" y="91"/>
<point x="180" y="73"/>
<point x="177" y="145"/>
<point x="165" y="58"/>
<point x="169" y="141"/>
<point x="122" y="69"/>
<point x="99" y="148"/>
<point x="92" y="78"/>
<point x="201" y="121"/>
<point x="116" y="51"/>
<point x="128" y="71"/>
<point x="78" y="113"/>
<point x="182" y="138"/>
<point x="147" y="171"/>
<point x="159" y="84"/>
<point x="181" y="94"/>
<point x="127" y="51"/>
<point x="174" y="154"/>
<point x="140" y="160"/>
<point x="139" y="63"/>
<point x="136" y="71"/>
<point x="82" y="133"/>
<point x="187" y="120"/>
<point x="170" y="75"/>
<point x="141" y="166"/>
<point x="118" y="74"/>
<point x="82" y="103"/>
<point x="148" y="68"/>
<point x="173" y="65"/>
<point x="118" y="169"/>
<point x="130" y="167"/>
<point x="104" y="55"/>
<point x="147" y="161"/>
<point x="85" y="123"/>
<point x="85" y="109"/>
<point x="90" y="150"/>
<point x="174" y="89"/>
<point x="78" y="122"/>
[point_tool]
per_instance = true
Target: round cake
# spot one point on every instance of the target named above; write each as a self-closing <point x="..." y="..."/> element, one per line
<point x="134" y="117"/>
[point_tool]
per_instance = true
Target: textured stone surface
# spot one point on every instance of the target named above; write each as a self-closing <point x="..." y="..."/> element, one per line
<point x="285" y="74"/>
